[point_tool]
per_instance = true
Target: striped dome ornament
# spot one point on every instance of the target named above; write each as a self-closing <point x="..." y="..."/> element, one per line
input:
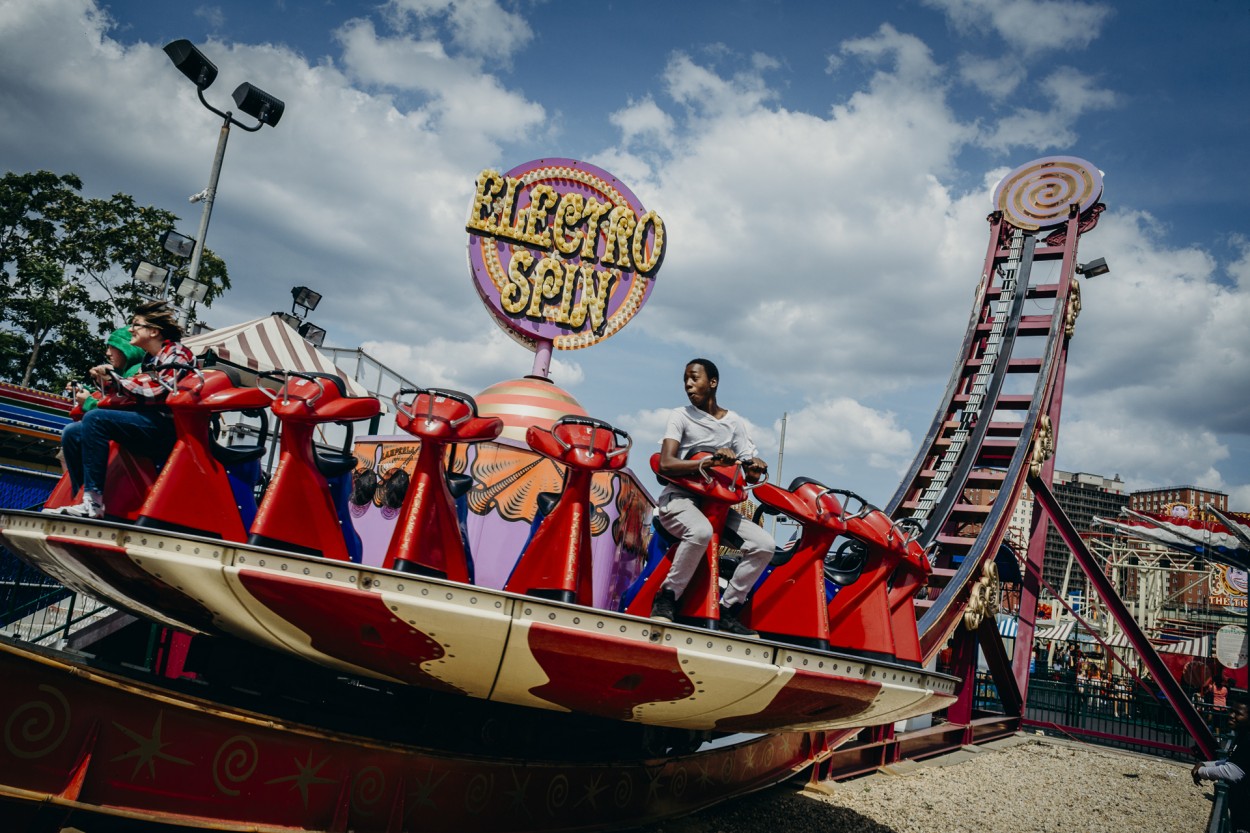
<point x="1037" y="195"/>
<point x="528" y="401"/>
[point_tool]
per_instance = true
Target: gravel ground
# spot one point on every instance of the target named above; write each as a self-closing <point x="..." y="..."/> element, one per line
<point x="1027" y="785"/>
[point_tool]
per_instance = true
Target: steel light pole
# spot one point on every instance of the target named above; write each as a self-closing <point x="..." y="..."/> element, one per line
<point x="257" y="103"/>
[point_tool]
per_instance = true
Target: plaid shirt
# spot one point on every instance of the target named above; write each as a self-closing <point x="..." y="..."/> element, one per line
<point x="144" y="387"/>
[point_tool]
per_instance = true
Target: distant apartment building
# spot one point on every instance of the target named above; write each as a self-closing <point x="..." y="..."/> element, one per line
<point x="1082" y="497"/>
<point x="1161" y="501"/>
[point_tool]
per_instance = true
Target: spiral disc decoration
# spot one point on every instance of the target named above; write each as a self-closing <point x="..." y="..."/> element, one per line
<point x="1037" y="195"/>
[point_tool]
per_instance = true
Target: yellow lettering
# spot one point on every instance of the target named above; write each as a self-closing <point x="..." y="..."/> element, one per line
<point x="568" y="216"/>
<point x="515" y="294"/>
<point x="542" y="199"/>
<point x="643" y="264"/>
<point x="560" y="315"/>
<point x="482" y="216"/>
<point x="620" y="231"/>
<point x="595" y="304"/>
<point x="593" y="213"/>
<point x="547" y="282"/>
<point x="506" y="226"/>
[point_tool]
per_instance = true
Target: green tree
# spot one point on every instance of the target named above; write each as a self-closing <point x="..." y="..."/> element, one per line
<point x="64" y="273"/>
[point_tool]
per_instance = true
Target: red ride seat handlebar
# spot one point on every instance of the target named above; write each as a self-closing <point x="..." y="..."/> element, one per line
<point x="298" y="511"/>
<point x="427" y="539"/>
<point x="557" y="562"/>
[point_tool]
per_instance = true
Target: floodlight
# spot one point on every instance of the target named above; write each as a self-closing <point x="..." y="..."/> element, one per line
<point x="258" y="104"/>
<point x="192" y="63"/>
<point x="313" y="334"/>
<point x="145" y="272"/>
<point x="290" y="320"/>
<point x="177" y="244"/>
<point x="191" y="290"/>
<point x="1094" y="268"/>
<point x="305" y="297"/>
<point x="195" y="328"/>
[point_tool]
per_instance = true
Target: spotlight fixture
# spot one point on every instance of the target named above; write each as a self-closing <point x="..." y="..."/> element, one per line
<point x="289" y="319"/>
<point x="305" y="298"/>
<point x="313" y="334"/>
<point x="191" y="290"/>
<point x="252" y="100"/>
<point x="148" y="273"/>
<point x="258" y="104"/>
<point x="192" y="63"/>
<point x="177" y="244"/>
<point x="1094" y="268"/>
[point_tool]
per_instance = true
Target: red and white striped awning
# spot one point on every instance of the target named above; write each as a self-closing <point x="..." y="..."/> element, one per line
<point x="1198" y="646"/>
<point x="267" y="343"/>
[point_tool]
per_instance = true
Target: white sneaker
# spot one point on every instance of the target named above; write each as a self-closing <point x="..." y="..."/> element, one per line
<point x="92" y="506"/>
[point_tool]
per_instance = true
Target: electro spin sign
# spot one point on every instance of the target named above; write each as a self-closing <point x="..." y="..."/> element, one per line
<point x="562" y="253"/>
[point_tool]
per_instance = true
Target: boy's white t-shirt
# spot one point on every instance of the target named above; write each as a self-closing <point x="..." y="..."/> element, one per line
<point x="697" y="430"/>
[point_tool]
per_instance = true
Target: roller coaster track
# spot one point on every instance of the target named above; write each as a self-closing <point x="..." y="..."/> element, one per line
<point x="972" y="464"/>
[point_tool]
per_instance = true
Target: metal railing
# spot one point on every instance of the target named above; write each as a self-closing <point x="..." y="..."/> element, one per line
<point x="34" y="607"/>
<point x="1118" y="712"/>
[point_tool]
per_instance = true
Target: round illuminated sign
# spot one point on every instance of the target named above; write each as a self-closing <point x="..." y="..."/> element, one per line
<point x="561" y="252"/>
<point x="1037" y="195"/>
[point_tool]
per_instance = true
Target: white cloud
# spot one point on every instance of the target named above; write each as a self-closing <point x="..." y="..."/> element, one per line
<point x="480" y="27"/>
<point x="1030" y="26"/>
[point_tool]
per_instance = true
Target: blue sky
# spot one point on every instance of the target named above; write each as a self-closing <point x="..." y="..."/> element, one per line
<point x="824" y="171"/>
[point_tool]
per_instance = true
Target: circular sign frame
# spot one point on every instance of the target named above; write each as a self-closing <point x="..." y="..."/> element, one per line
<point x="1037" y="194"/>
<point x="561" y="252"/>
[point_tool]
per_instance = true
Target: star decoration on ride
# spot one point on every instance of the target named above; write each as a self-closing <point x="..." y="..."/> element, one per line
<point x="518" y="794"/>
<point x="422" y="796"/>
<point x="983" y="598"/>
<point x="653" y="788"/>
<point x="148" y="749"/>
<point x="1043" y="446"/>
<point x="593" y="789"/>
<point x="305" y="777"/>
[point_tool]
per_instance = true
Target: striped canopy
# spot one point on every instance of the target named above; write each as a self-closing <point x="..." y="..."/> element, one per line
<point x="267" y="343"/>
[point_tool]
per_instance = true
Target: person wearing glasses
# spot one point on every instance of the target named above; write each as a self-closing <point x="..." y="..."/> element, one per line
<point x="146" y="429"/>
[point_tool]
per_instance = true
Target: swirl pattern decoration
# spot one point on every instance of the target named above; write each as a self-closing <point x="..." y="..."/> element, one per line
<point x="37" y="727"/>
<point x="1036" y="195"/>
<point x="234" y="763"/>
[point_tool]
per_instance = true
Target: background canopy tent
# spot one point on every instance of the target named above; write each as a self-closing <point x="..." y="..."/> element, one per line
<point x="265" y="344"/>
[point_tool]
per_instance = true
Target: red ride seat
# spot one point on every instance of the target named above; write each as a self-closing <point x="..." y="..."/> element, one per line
<point x="557" y="563"/>
<point x="297" y="511"/>
<point x="427" y="538"/>
<point x="859" y="615"/>
<point x="700" y="604"/>
<point x="193" y="491"/>
<point x="790" y="604"/>
<point x="910" y="576"/>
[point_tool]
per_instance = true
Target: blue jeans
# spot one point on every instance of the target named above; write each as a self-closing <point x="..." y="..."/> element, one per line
<point x="148" y="432"/>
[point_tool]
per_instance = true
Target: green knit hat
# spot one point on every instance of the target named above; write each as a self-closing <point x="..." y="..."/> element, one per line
<point x="120" y="338"/>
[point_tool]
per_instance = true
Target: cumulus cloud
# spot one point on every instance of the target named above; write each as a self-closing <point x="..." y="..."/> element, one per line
<point x="1030" y="26"/>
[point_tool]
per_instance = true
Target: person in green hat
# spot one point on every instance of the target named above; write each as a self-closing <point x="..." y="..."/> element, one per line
<point x="122" y="356"/>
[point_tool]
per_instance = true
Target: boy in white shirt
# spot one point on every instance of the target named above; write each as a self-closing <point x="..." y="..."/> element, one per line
<point x="704" y="425"/>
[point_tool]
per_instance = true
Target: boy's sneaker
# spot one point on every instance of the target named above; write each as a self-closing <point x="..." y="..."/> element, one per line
<point x="92" y="506"/>
<point x="664" y="608"/>
<point x="729" y="623"/>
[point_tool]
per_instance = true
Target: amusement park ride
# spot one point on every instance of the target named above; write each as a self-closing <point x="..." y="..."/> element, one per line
<point x="478" y="657"/>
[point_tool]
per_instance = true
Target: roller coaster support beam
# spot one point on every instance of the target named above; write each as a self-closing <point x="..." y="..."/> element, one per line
<point x="1184" y="709"/>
